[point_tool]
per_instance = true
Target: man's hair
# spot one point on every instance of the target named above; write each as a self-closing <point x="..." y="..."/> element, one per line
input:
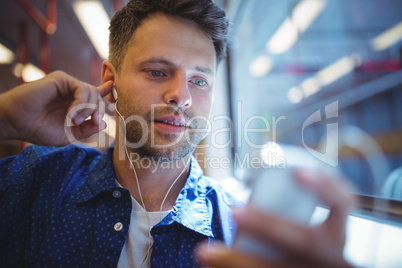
<point x="204" y="13"/>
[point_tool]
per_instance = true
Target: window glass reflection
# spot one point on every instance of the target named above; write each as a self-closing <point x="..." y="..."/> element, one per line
<point x="293" y="59"/>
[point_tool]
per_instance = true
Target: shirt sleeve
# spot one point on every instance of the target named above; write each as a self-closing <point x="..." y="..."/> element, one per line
<point x="16" y="171"/>
<point x="15" y="204"/>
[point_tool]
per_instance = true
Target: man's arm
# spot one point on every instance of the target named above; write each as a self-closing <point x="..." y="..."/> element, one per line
<point x="37" y="111"/>
<point x="315" y="246"/>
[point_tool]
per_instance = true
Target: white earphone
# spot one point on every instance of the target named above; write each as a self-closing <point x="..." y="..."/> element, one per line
<point x="148" y="253"/>
<point x="115" y="96"/>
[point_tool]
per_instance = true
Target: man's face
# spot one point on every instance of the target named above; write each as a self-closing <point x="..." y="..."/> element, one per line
<point x="166" y="78"/>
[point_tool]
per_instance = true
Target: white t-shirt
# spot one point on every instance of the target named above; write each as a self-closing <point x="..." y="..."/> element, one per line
<point x="137" y="249"/>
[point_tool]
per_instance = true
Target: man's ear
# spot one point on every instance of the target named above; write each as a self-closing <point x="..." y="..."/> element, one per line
<point x="108" y="72"/>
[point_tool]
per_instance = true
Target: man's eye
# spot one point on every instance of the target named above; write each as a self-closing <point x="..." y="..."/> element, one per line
<point x="199" y="82"/>
<point x="156" y="73"/>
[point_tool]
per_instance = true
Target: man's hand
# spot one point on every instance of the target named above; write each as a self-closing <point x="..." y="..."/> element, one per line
<point x="37" y="111"/>
<point x="314" y="246"/>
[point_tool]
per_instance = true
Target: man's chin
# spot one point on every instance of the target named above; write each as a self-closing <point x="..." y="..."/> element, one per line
<point x="164" y="153"/>
<point x="167" y="147"/>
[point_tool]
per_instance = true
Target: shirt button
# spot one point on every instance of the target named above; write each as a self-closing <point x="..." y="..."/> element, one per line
<point x="116" y="194"/>
<point x="118" y="226"/>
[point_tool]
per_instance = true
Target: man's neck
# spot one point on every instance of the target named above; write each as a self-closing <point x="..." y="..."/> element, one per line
<point x="154" y="178"/>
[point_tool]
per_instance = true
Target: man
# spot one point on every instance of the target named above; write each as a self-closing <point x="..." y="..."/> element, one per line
<point x="72" y="206"/>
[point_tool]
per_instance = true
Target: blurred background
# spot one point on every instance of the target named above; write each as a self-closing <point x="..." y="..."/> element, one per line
<point x="295" y="70"/>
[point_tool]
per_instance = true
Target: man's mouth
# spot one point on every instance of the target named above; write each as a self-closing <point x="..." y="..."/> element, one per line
<point x="170" y="123"/>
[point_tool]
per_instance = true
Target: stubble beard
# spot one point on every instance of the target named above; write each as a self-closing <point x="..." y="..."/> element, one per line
<point x="163" y="147"/>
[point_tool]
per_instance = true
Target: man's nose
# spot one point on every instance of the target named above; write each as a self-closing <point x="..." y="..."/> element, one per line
<point x="177" y="93"/>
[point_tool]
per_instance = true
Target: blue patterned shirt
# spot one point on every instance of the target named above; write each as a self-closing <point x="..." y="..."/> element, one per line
<point x="61" y="207"/>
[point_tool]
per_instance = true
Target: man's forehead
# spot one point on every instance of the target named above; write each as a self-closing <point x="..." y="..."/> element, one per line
<point x="167" y="40"/>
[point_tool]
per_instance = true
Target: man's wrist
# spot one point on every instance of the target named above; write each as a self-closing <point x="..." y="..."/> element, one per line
<point x="6" y="129"/>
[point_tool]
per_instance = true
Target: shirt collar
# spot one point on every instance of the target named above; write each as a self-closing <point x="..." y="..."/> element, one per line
<point x="100" y="178"/>
<point x="190" y="209"/>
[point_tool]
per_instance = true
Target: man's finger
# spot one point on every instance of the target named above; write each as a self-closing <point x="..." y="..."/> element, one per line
<point x="91" y="97"/>
<point x="218" y="256"/>
<point x="86" y="103"/>
<point x="332" y="192"/>
<point x="87" y="129"/>
<point x="282" y="234"/>
<point x="105" y="88"/>
<point x="91" y="104"/>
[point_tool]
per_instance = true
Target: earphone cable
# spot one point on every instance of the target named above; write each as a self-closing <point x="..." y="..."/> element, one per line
<point x="139" y="189"/>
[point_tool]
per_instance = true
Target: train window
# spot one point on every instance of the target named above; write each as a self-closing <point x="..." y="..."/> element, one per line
<point x="302" y="69"/>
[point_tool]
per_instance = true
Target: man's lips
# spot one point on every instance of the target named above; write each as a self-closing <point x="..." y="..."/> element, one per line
<point x="171" y="120"/>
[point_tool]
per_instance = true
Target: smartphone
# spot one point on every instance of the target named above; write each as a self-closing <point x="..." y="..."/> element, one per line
<point x="275" y="191"/>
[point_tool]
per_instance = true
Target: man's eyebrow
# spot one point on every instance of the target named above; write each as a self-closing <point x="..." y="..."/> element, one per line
<point x="204" y="70"/>
<point x="161" y="60"/>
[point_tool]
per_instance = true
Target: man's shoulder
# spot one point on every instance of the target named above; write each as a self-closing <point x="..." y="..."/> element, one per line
<point x="37" y="155"/>
<point x="214" y="188"/>
<point x="36" y="162"/>
<point x="68" y="150"/>
<point x="220" y="203"/>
